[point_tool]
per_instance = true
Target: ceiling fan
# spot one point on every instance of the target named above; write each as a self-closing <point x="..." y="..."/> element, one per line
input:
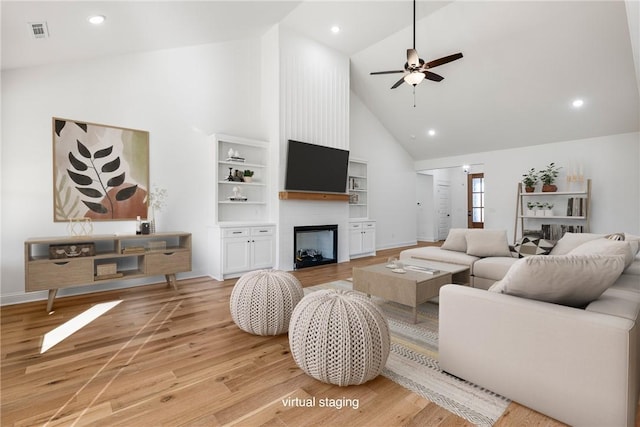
<point x="415" y="68"/>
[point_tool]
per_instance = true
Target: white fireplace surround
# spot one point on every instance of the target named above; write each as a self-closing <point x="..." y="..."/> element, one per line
<point x="301" y="213"/>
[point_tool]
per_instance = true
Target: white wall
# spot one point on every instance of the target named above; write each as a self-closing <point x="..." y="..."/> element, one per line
<point x="392" y="179"/>
<point x="180" y="96"/>
<point x="612" y="162"/>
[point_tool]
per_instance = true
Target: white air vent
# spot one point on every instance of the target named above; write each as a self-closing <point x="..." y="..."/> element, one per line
<point x="39" y="30"/>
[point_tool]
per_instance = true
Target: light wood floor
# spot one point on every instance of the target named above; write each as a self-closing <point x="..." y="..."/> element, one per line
<point x="163" y="357"/>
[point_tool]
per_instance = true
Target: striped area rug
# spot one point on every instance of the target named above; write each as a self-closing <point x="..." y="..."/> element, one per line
<point x="413" y="363"/>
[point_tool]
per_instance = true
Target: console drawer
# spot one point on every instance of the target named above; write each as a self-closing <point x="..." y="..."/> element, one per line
<point x="57" y="274"/>
<point x="168" y="262"/>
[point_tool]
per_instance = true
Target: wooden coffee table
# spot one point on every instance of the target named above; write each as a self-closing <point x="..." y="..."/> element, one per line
<point x="411" y="287"/>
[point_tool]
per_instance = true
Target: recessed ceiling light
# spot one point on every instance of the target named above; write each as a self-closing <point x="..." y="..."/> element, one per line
<point x="431" y="132"/>
<point x="335" y="29"/>
<point x="577" y="103"/>
<point x="97" y="19"/>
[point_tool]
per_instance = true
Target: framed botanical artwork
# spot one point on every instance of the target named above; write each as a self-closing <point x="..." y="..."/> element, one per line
<point x="99" y="171"/>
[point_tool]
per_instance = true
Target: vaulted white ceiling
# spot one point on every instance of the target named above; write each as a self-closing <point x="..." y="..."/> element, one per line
<point x="524" y="61"/>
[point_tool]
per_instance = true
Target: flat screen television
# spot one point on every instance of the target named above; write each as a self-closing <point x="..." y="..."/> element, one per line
<point x="312" y="167"/>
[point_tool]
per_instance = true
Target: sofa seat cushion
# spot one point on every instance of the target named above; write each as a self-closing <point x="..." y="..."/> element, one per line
<point x="434" y="253"/>
<point x="572" y="280"/>
<point x="493" y="268"/>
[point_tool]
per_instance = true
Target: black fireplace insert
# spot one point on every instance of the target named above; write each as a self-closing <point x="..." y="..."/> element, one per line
<point x="315" y="245"/>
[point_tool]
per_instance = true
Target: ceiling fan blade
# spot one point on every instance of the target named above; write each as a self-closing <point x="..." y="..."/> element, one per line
<point x="398" y="83"/>
<point x="443" y="60"/>
<point x="387" y="72"/>
<point x="432" y="76"/>
<point x="412" y="58"/>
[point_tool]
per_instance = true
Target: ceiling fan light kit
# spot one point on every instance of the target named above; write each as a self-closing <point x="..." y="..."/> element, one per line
<point x="414" y="78"/>
<point x="416" y="69"/>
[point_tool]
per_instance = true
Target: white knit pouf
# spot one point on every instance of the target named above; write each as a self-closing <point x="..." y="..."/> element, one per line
<point x="262" y="301"/>
<point x="339" y="337"/>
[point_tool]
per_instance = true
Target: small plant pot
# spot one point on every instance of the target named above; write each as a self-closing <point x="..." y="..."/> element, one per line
<point x="548" y="212"/>
<point x="248" y="179"/>
<point x="530" y="212"/>
<point x="549" y="188"/>
<point x="540" y="212"/>
<point x="529" y="189"/>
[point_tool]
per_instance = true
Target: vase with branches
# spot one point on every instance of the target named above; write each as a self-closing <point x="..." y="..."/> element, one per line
<point x="157" y="201"/>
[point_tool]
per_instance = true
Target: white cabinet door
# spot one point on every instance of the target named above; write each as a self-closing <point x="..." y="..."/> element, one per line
<point x="262" y="252"/>
<point x="355" y="241"/>
<point x="236" y="255"/>
<point x="368" y="241"/>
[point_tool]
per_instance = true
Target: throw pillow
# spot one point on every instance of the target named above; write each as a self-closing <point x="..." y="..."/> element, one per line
<point x="571" y="241"/>
<point x="456" y="240"/>
<point x="615" y="236"/>
<point x="483" y="243"/>
<point x="608" y="247"/>
<point x="528" y="246"/>
<point x="572" y="280"/>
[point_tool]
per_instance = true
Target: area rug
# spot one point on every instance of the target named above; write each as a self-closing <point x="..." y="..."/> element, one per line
<point x="413" y="362"/>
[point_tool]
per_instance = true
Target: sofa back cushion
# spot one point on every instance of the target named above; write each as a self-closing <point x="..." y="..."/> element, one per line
<point x="485" y="243"/>
<point x="456" y="240"/>
<point x="606" y="246"/>
<point x="572" y="280"/>
<point x="571" y="241"/>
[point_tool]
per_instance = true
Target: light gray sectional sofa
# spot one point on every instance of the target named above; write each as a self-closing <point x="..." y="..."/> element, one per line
<point x="557" y="333"/>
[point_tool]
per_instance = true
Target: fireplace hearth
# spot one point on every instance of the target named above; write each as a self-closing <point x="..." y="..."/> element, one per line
<point x="315" y="245"/>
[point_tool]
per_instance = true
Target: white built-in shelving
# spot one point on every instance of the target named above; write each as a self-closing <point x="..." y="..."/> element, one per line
<point x="357" y="186"/>
<point x="246" y="154"/>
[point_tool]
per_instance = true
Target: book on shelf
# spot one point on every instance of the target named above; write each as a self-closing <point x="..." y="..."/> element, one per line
<point x="556" y="231"/>
<point x="235" y="159"/>
<point x="577" y="206"/>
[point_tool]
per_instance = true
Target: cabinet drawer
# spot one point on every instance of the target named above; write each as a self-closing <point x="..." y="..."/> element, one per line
<point x="58" y="274"/>
<point x="355" y="226"/>
<point x="368" y="225"/>
<point x="235" y="232"/>
<point x="262" y="231"/>
<point x="168" y="263"/>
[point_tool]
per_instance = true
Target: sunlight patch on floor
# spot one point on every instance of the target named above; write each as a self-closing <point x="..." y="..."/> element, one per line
<point x="65" y="330"/>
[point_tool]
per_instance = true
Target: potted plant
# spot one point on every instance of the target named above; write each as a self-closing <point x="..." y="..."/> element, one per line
<point x="548" y="210"/>
<point x="541" y="208"/>
<point x="530" y="179"/>
<point x="530" y="208"/>
<point x="548" y="177"/>
<point x="248" y="175"/>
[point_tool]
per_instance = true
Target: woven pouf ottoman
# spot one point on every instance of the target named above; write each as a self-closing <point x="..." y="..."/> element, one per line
<point x="262" y="301"/>
<point x="339" y="337"/>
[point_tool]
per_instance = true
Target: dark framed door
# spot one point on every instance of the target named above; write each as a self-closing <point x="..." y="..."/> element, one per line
<point x="475" y="200"/>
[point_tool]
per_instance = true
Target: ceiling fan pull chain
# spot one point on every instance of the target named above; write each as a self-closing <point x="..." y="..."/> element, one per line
<point x="414" y="96"/>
